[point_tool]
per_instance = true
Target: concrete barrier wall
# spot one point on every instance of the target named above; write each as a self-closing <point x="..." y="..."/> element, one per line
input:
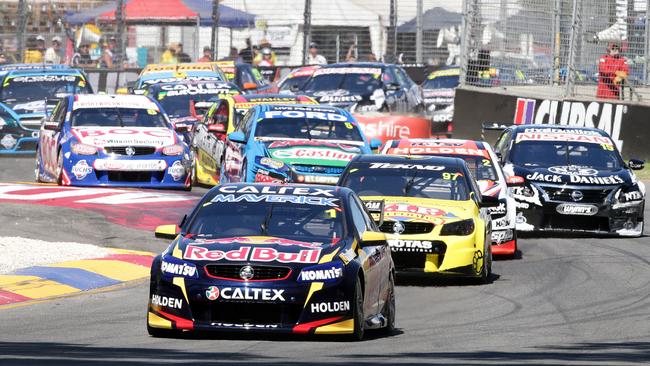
<point x="628" y="124"/>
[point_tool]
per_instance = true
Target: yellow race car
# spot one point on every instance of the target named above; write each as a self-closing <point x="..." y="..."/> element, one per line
<point x="433" y="209"/>
<point x="209" y="139"/>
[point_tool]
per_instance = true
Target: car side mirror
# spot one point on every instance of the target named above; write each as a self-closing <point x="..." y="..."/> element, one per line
<point x="217" y="128"/>
<point x="167" y="231"/>
<point x="372" y="239"/>
<point x="50" y="125"/>
<point x="182" y="128"/>
<point x="375" y="143"/>
<point x="515" y="181"/>
<point x="294" y="88"/>
<point x="489" y="201"/>
<point x="249" y="86"/>
<point x="636" y="164"/>
<point x="237" y="136"/>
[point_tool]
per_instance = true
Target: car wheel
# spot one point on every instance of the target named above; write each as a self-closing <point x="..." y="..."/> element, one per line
<point x="359" y="318"/>
<point x="59" y="168"/>
<point x="37" y="167"/>
<point x="389" y="311"/>
<point x="486" y="268"/>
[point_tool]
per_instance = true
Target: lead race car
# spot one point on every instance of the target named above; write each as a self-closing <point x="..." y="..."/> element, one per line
<point x="433" y="208"/>
<point x="117" y="140"/>
<point x="273" y="258"/>
<point x="484" y="166"/>
<point x="575" y="180"/>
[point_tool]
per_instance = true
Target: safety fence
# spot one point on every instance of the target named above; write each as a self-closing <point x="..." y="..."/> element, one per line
<point x="557" y="48"/>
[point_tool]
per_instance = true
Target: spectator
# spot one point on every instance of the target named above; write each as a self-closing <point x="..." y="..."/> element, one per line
<point x="371" y="57"/>
<point x="267" y="58"/>
<point x="82" y="57"/>
<point x="260" y="56"/>
<point x="233" y="56"/>
<point x="207" y="55"/>
<point x="3" y="57"/>
<point x="314" y="58"/>
<point x="351" y="56"/>
<point x="246" y="54"/>
<point x="182" y="56"/>
<point x="109" y="58"/>
<point x="40" y="44"/>
<point x="53" y="54"/>
<point x="32" y="54"/>
<point x="169" y="56"/>
<point x="612" y="72"/>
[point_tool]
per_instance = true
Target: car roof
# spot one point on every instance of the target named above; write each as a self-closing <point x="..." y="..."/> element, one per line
<point x="557" y="129"/>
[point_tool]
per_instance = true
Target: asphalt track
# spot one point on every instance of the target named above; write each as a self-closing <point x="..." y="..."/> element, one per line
<point x="564" y="301"/>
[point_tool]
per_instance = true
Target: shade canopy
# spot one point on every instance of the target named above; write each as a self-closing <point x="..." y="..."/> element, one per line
<point x="433" y="19"/>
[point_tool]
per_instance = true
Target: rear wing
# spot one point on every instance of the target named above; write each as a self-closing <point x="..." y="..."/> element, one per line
<point x="376" y="208"/>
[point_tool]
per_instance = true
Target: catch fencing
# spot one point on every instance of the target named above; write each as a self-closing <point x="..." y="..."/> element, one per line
<point x="557" y="48"/>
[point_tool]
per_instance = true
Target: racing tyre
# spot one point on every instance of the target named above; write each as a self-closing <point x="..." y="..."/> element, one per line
<point x="486" y="270"/>
<point x="59" y="168"/>
<point x="359" y="317"/>
<point x="37" y="167"/>
<point x="389" y="311"/>
<point x="162" y="333"/>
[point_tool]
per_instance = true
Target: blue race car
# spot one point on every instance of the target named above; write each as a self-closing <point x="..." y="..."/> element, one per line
<point x="293" y="143"/>
<point x="158" y="77"/>
<point x="14" y="138"/>
<point x="116" y="140"/>
<point x="33" y="92"/>
<point x="300" y="259"/>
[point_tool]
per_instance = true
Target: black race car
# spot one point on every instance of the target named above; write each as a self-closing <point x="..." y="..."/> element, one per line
<point x="365" y="87"/>
<point x="574" y="180"/>
<point x="298" y="259"/>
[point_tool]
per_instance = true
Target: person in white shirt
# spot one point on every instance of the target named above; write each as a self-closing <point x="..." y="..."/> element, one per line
<point x="314" y="58"/>
<point x="53" y="54"/>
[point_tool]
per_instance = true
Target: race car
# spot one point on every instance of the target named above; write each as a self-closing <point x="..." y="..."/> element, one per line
<point x="293" y="143"/>
<point x="32" y="92"/>
<point x="14" y="138"/>
<point x="209" y="141"/>
<point x="300" y="259"/>
<point x="485" y="168"/>
<point x="186" y="102"/>
<point x="247" y="77"/>
<point x="116" y="140"/>
<point x="439" y="90"/>
<point x="295" y="79"/>
<point x="365" y="87"/>
<point x="432" y="207"/>
<point x="574" y="180"/>
<point x="156" y="74"/>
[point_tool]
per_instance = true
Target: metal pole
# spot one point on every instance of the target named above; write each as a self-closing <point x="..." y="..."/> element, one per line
<point x="214" y="41"/>
<point x="306" y="36"/>
<point x="418" y="33"/>
<point x="646" y="42"/>
<point x="393" y="30"/>
<point x="119" y="21"/>
<point x="468" y="18"/>
<point x="555" y="79"/>
<point x="569" y="90"/>
<point x="22" y="25"/>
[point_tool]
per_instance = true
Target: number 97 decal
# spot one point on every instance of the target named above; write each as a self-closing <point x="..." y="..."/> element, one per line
<point x="450" y="176"/>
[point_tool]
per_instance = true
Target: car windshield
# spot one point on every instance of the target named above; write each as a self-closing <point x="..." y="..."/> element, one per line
<point x="179" y="105"/>
<point x="117" y="117"/>
<point x="441" y="82"/>
<point x="353" y="83"/>
<point x="289" y="83"/>
<point x="561" y="153"/>
<point x="308" y="129"/>
<point x="303" y="222"/>
<point x="40" y="88"/>
<point x="480" y="167"/>
<point x="444" y="184"/>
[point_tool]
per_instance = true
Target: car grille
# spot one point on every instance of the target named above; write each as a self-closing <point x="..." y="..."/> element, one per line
<point x="318" y="169"/>
<point x="576" y="223"/>
<point x="589" y="195"/>
<point x="409" y="227"/>
<point x="244" y="312"/>
<point x="130" y="177"/>
<point x="138" y="150"/>
<point x="260" y="273"/>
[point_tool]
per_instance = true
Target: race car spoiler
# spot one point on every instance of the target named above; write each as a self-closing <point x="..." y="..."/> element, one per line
<point x="494" y="126"/>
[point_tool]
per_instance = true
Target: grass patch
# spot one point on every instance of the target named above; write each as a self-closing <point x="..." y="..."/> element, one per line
<point x="643" y="174"/>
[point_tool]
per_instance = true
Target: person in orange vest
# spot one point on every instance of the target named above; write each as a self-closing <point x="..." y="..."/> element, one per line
<point x="612" y="71"/>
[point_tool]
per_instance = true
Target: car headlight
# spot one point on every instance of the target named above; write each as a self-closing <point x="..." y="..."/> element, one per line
<point x="624" y="196"/>
<point x="464" y="227"/>
<point x="173" y="150"/>
<point x="526" y="191"/>
<point x="83" y="149"/>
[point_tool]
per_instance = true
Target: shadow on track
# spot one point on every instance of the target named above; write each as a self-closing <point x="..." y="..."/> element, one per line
<point x="48" y="354"/>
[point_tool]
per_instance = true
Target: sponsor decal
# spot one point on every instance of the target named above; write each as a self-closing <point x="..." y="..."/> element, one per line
<point x="312" y="153"/>
<point x="406" y="166"/>
<point x="500" y="236"/>
<point x="183" y="78"/>
<point x="35" y="106"/>
<point x="565" y="137"/>
<point x="320" y="179"/>
<point x="330" y="307"/>
<point x="372" y="205"/>
<point x="499" y="210"/>
<point x="168" y="302"/>
<point x="348" y="70"/>
<point x="612" y="179"/>
<point x="300" y="200"/>
<point x="633" y="196"/>
<point x="297" y="191"/>
<point x="271" y="163"/>
<point x="339" y="98"/>
<point x="245" y="293"/>
<point x="175" y="267"/>
<point x="44" y="78"/>
<point x="129" y="165"/>
<point x="573" y="209"/>
<point x="81" y="169"/>
<point x="177" y="171"/>
<point x="501" y="223"/>
<point x="124" y="136"/>
<point x="604" y="116"/>
<point x="420" y="246"/>
<point x="429" y="150"/>
<point x="306" y="114"/>
<point x="247" y="253"/>
<point x="539" y="177"/>
<point x="257" y="240"/>
<point x="8" y="141"/>
<point x="327" y="272"/>
<point x="244" y="325"/>
<point x="573" y="169"/>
